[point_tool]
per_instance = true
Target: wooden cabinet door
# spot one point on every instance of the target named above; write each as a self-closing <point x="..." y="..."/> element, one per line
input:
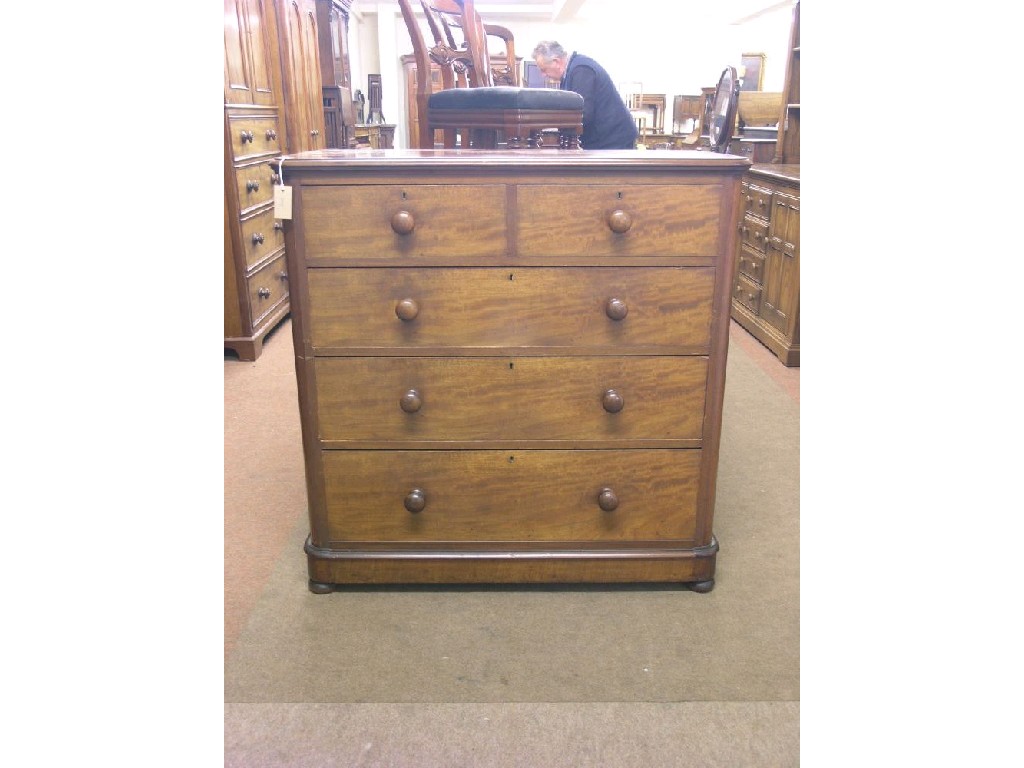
<point x="781" y="293"/>
<point x="300" y="59"/>
<point x="249" y="53"/>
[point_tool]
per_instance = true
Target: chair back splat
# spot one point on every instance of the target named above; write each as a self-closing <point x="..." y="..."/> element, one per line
<point x="470" y="109"/>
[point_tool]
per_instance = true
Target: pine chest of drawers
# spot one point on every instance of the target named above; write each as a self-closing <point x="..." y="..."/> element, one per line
<point x="511" y="365"/>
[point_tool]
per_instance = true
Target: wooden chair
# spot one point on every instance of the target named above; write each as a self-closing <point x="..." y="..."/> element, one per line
<point x="470" y="104"/>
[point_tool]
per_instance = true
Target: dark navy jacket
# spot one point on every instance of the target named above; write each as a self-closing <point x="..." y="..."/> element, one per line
<point x="607" y="123"/>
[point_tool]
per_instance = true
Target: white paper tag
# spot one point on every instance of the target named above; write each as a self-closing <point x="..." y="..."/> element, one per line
<point x="282" y="202"/>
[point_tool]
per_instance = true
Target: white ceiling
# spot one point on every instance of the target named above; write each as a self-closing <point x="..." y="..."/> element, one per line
<point x="683" y="12"/>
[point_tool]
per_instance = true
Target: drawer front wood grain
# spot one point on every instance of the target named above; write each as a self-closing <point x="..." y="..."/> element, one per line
<point x="268" y="288"/>
<point x="523" y="398"/>
<point x="747" y="293"/>
<point x="525" y="496"/>
<point x="754" y="233"/>
<point x="751" y="264"/>
<point x="392" y="224"/>
<point x="255" y="182"/>
<point x="261" y="235"/>
<point x="608" y="221"/>
<point x="756" y="201"/>
<point x="254" y="136"/>
<point x="660" y="307"/>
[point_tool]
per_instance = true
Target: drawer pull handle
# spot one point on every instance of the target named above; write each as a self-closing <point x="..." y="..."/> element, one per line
<point x="271" y="134"/>
<point x="264" y="293"/>
<point x="411" y="401"/>
<point x="247" y="136"/>
<point x="284" y="277"/>
<point x="257" y="238"/>
<point x="403" y="223"/>
<point x="620" y="221"/>
<point x="252" y="186"/>
<point x="407" y="309"/>
<point x="607" y="500"/>
<point x="612" y="401"/>
<point x="278" y="226"/>
<point x="616" y="309"/>
<point x="415" y="500"/>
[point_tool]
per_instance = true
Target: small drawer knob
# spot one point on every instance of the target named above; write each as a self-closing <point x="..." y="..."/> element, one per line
<point x="616" y="309"/>
<point x="415" y="500"/>
<point x="252" y="186"/>
<point x="612" y="401"/>
<point x="271" y="134"/>
<point x="620" y="221"/>
<point x="257" y="238"/>
<point x="607" y="500"/>
<point x="264" y="293"/>
<point x="403" y="223"/>
<point x="407" y="309"/>
<point x="411" y="401"/>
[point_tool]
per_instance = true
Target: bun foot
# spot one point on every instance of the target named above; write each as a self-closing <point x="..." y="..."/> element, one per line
<point x="703" y="586"/>
<point x="320" y="588"/>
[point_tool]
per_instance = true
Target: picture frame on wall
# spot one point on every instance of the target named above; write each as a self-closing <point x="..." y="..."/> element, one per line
<point x="752" y="76"/>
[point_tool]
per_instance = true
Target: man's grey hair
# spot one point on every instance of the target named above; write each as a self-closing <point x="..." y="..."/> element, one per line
<point x="548" y="50"/>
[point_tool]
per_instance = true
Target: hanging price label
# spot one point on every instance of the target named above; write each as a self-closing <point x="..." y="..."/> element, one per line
<point x="282" y="202"/>
<point x="282" y="195"/>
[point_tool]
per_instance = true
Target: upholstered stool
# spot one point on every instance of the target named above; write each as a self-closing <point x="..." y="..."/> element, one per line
<point x="520" y="113"/>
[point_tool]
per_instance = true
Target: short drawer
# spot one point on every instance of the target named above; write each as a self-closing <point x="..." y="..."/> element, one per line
<point x="393" y="224"/>
<point x="607" y="220"/>
<point x="643" y="309"/>
<point x="267" y="288"/>
<point x="251" y="136"/>
<point x="747" y="293"/>
<point x="754" y="233"/>
<point x="261" y="235"/>
<point x="524" y="496"/>
<point x="756" y="201"/>
<point x="605" y="399"/>
<point x="255" y="183"/>
<point x="751" y="265"/>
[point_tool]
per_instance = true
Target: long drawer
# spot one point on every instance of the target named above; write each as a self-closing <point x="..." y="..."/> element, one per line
<point x="666" y="308"/>
<point x="480" y="496"/>
<point x="516" y="398"/>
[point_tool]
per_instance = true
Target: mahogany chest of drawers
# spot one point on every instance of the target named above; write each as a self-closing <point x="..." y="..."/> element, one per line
<point x="510" y="364"/>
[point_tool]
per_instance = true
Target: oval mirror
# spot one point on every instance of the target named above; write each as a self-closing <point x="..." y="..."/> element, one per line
<point x="723" y="110"/>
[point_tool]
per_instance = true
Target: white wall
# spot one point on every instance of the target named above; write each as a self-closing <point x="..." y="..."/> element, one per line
<point x="666" y="45"/>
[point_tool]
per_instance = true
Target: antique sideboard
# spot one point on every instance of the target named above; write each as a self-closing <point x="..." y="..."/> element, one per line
<point x="511" y="364"/>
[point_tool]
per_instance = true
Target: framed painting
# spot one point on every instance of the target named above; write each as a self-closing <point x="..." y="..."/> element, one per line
<point x="752" y="74"/>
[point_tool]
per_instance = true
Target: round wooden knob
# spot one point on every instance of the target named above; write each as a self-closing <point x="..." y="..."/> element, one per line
<point x="616" y="309"/>
<point x="620" y="221"/>
<point x="415" y="500"/>
<point x="612" y="401"/>
<point x="403" y="222"/>
<point x="411" y="401"/>
<point x="607" y="500"/>
<point x="407" y="309"/>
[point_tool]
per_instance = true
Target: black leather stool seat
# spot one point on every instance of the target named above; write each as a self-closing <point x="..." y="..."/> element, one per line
<point x="505" y="97"/>
<point x="522" y="115"/>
